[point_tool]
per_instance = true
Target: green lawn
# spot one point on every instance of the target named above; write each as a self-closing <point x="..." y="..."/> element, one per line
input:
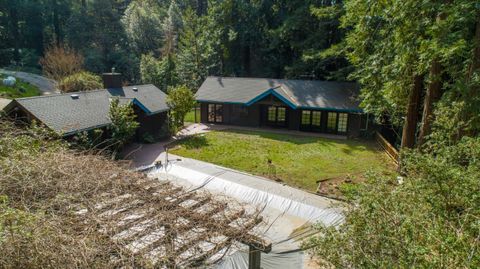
<point x="190" y="117"/>
<point x="21" y="89"/>
<point x="296" y="160"/>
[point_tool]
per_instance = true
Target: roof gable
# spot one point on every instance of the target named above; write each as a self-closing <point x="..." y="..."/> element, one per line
<point x="272" y="91"/>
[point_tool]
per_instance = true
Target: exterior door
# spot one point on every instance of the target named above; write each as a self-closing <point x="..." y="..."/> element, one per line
<point x="337" y="123"/>
<point x="311" y="121"/>
<point x="215" y="113"/>
<point x="277" y="116"/>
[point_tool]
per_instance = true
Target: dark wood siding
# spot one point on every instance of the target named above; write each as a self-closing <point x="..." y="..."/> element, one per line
<point x="235" y="114"/>
<point x="155" y="125"/>
<point x="294" y="119"/>
<point x="203" y="112"/>
<point x="255" y="116"/>
<point x="354" y="125"/>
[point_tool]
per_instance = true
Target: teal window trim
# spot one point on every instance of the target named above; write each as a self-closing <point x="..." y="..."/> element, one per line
<point x="219" y="102"/>
<point x="331" y="109"/>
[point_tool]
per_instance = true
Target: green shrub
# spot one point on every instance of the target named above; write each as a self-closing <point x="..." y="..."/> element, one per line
<point x="88" y="139"/>
<point x="123" y="125"/>
<point x="349" y="190"/>
<point x="428" y="219"/>
<point x="82" y="81"/>
<point x="180" y="100"/>
<point x="148" y="138"/>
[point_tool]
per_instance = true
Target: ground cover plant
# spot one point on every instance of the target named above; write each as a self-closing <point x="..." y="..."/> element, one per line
<point x="427" y="219"/>
<point x="21" y="89"/>
<point x="61" y="208"/>
<point x="296" y="160"/>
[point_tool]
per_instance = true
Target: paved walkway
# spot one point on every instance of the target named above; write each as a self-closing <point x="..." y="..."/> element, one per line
<point x="45" y="85"/>
<point x="147" y="154"/>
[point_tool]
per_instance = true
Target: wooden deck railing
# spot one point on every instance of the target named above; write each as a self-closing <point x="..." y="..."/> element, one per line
<point x="391" y="151"/>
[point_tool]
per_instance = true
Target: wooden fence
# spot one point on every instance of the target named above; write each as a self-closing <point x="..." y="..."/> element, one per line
<point x="391" y="151"/>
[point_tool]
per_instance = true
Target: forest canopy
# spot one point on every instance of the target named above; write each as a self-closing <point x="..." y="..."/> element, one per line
<point x="202" y="37"/>
<point x="417" y="63"/>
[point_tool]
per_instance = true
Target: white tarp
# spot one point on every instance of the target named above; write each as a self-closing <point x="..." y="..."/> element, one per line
<point x="285" y="209"/>
<point x="239" y="260"/>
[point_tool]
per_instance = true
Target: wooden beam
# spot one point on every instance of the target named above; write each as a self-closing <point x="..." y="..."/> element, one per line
<point x="254" y="256"/>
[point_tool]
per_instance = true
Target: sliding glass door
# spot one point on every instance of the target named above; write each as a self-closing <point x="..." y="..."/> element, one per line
<point x="311" y="121"/>
<point x="333" y="122"/>
<point x="337" y="123"/>
<point x="215" y="113"/>
<point x="277" y="116"/>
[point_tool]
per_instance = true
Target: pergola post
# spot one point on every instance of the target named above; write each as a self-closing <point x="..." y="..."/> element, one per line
<point x="254" y="256"/>
<point x="195" y="113"/>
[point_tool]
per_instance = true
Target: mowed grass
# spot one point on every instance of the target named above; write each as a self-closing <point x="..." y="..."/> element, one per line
<point x="190" y="117"/>
<point x="21" y="89"/>
<point x="296" y="160"/>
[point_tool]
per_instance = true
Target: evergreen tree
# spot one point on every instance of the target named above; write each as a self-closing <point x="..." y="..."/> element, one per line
<point x="141" y="23"/>
<point x="401" y="48"/>
<point x="161" y="73"/>
<point x="196" y="55"/>
<point x="171" y="27"/>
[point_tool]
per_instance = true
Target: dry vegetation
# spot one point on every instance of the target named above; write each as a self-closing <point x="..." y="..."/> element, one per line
<point x="60" y="62"/>
<point x="64" y="209"/>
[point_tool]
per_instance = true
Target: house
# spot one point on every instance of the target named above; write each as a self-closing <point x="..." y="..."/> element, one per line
<point x="4" y="103"/>
<point x="306" y="105"/>
<point x="70" y="113"/>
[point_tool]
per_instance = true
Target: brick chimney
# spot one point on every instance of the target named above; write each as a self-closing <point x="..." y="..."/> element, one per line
<point x="112" y="80"/>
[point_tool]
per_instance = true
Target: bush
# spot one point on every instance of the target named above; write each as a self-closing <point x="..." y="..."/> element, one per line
<point x="123" y="125"/>
<point x="63" y="209"/>
<point x="29" y="58"/>
<point x="88" y="140"/>
<point x="181" y="101"/>
<point x="148" y="138"/>
<point x="430" y="220"/>
<point x="82" y="81"/>
<point x="159" y="72"/>
<point x="60" y="62"/>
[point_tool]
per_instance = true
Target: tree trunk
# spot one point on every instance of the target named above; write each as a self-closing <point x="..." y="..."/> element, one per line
<point x="15" y="32"/>
<point x="56" y="24"/>
<point x="473" y="68"/>
<point x="83" y="9"/>
<point x="434" y="92"/>
<point x="476" y="53"/>
<point x="247" y="58"/>
<point x="410" y="126"/>
<point x="201" y="7"/>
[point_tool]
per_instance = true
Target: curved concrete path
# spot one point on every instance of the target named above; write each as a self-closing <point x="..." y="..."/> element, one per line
<point x="45" y="85"/>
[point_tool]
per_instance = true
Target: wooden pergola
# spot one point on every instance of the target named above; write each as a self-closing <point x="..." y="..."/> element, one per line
<point x="173" y="228"/>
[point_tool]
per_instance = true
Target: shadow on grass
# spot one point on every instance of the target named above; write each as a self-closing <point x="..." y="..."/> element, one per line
<point x="293" y="138"/>
<point x="352" y="145"/>
<point x="194" y="142"/>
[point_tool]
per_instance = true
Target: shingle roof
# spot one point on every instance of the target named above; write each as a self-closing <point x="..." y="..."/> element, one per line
<point x="314" y="94"/>
<point x="4" y="102"/>
<point x="67" y="115"/>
